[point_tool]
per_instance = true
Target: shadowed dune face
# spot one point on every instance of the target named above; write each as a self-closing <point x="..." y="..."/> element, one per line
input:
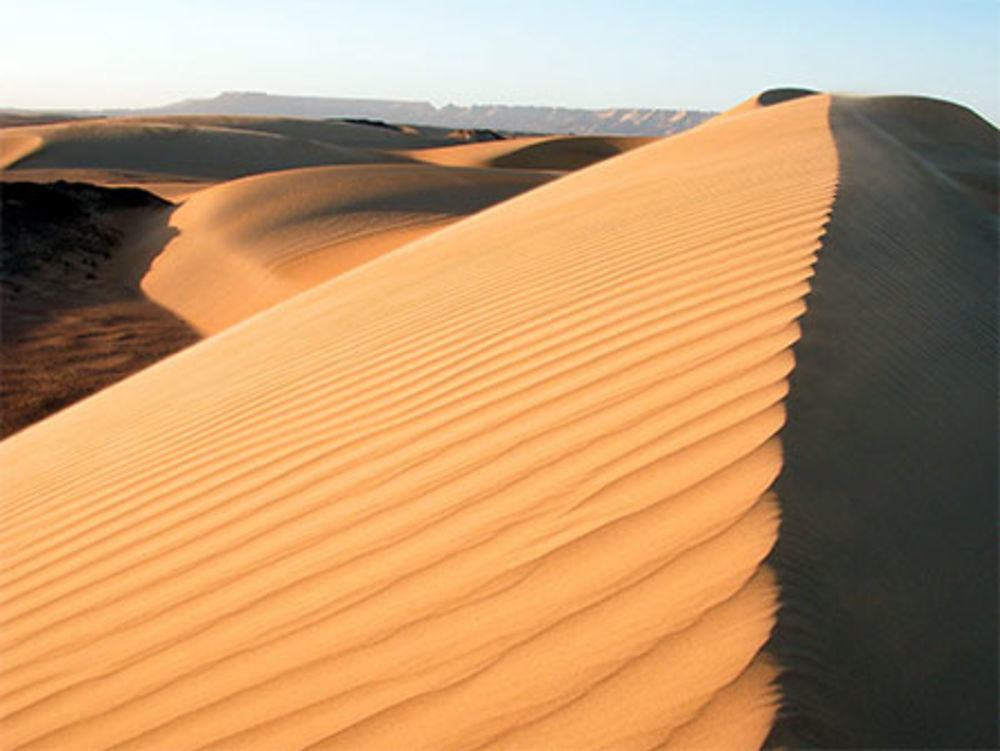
<point x="72" y="319"/>
<point x="246" y="245"/>
<point x="507" y="486"/>
<point x="948" y="139"/>
<point x="887" y="554"/>
<point x="777" y="96"/>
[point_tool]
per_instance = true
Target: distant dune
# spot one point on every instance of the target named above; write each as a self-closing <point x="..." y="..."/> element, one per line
<point x="695" y="447"/>
<point x="175" y="156"/>
<point x="539" y="153"/>
<point x="168" y="149"/>
<point x="241" y="247"/>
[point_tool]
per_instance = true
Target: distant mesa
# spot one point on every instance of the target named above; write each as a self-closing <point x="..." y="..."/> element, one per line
<point x="523" y="119"/>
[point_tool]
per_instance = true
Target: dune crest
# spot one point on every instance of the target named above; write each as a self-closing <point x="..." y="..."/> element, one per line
<point x="505" y="486"/>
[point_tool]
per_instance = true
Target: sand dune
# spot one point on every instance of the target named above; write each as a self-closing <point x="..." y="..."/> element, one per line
<point x="507" y="485"/>
<point x="533" y="152"/>
<point x="15" y="145"/>
<point x="364" y="134"/>
<point x="170" y="150"/>
<point x="693" y="448"/>
<point x="248" y="244"/>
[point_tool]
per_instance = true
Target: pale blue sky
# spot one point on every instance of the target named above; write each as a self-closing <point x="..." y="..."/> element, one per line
<point x="699" y="54"/>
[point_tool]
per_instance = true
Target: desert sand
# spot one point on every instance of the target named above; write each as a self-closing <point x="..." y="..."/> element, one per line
<point x="243" y="246"/>
<point x="558" y="153"/>
<point x="519" y="482"/>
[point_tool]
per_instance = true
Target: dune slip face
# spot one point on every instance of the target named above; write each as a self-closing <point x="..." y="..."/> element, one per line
<point x="887" y="555"/>
<point x="507" y="486"/>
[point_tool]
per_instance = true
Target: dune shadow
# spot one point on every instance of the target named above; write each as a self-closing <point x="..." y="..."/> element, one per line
<point x="887" y="552"/>
<point x="73" y="318"/>
<point x="777" y="96"/>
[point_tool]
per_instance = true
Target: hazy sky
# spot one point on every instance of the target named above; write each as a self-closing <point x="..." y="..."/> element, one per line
<point x="698" y="54"/>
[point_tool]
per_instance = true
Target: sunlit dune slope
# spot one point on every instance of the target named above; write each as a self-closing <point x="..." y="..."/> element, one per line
<point x="535" y="152"/>
<point x="16" y="144"/>
<point x="506" y="486"/>
<point x="171" y="150"/>
<point x="241" y="247"/>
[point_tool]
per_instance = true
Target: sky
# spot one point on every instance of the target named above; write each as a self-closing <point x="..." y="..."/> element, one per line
<point x="675" y="54"/>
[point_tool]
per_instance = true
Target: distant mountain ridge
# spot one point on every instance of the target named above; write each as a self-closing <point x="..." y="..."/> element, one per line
<point x="615" y="121"/>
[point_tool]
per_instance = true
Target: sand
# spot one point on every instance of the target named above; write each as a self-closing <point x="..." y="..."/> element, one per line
<point x="687" y="449"/>
<point x="169" y="188"/>
<point x="888" y="549"/>
<point x="73" y="319"/>
<point x="559" y="153"/>
<point x="248" y="244"/>
<point x="506" y="485"/>
<point x="169" y="150"/>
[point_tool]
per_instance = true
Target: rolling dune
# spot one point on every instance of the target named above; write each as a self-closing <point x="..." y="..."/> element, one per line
<point x="505" y="486"/>
<point x="169" y="150"/>
<point x="365" y="134"/>
<point x="248" y="244"/>
<point x="561" y="153"/>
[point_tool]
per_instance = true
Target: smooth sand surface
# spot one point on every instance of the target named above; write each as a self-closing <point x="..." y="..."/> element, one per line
<point x="506" y="486"/>
<point x="248" y="244"/>
<point x="560" y="153"/>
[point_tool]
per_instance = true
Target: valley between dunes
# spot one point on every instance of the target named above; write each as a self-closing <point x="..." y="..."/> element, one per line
<point x="682" y="449"/>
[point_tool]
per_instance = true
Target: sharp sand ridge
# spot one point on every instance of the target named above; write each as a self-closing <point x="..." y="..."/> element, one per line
<point x="506" y="486"/>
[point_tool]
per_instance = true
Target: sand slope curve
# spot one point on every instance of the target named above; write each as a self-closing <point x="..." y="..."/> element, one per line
<point x="248" y="244"/>
<point x="561" y="153"/>
<point x="507" y="486"/>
